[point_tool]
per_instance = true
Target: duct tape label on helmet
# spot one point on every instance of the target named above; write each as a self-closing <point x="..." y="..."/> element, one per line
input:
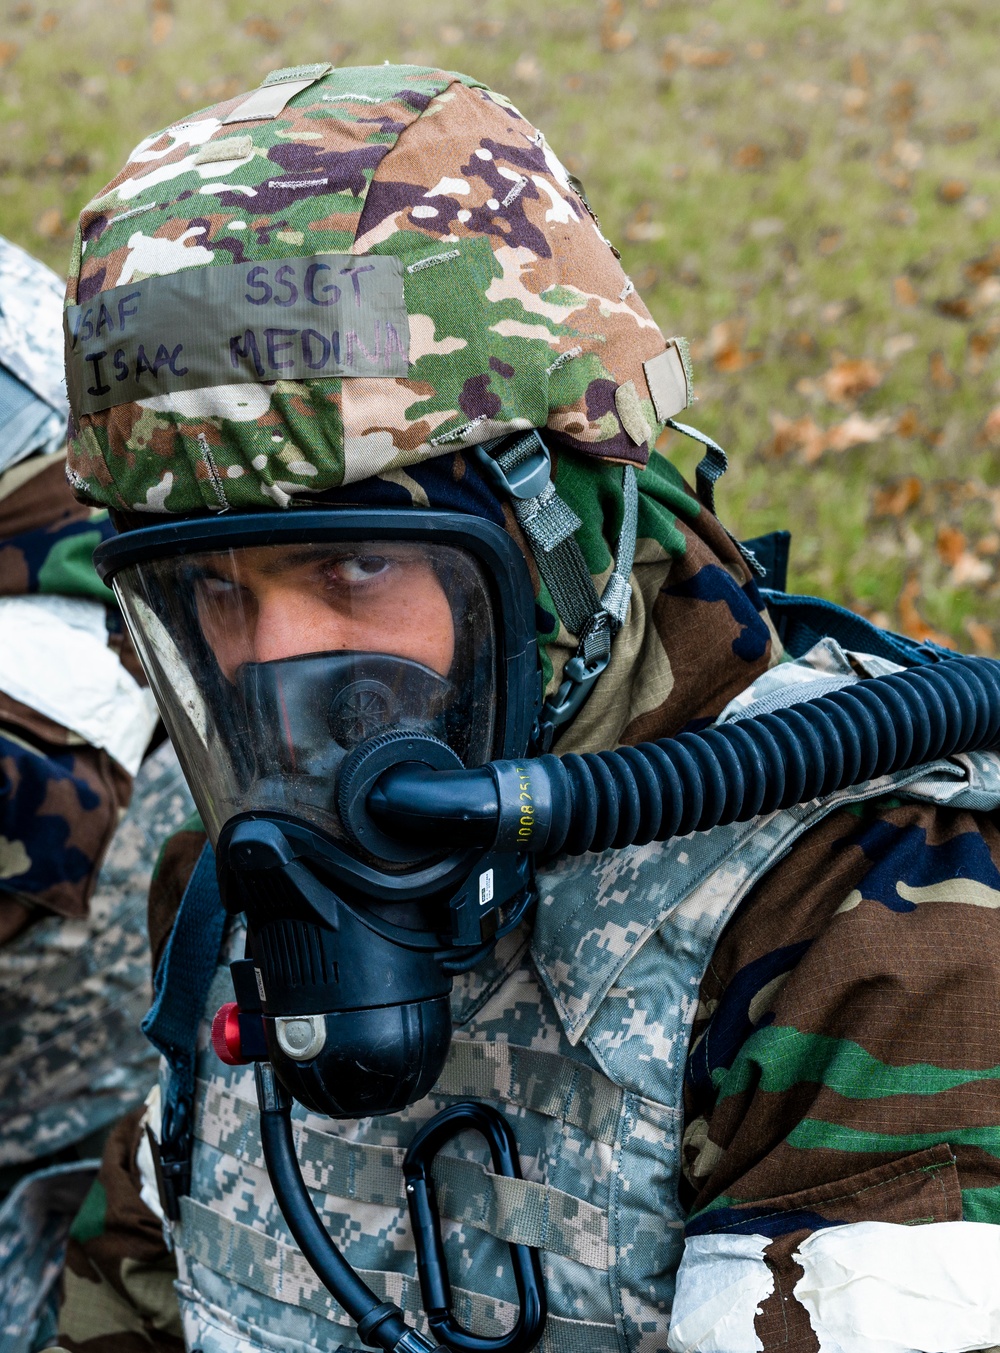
<point x="284" y="319"/>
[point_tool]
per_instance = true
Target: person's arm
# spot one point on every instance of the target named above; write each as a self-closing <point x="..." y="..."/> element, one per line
<point x="843" y="1075"/>
<point x="117" y="1291"/>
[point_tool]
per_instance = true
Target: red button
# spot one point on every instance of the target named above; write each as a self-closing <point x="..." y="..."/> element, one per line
<point x="226" y="1035"/>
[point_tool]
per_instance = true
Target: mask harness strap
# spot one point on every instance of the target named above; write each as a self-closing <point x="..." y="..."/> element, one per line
<point x="522" y="469"/>
<point x="712" y="466"/>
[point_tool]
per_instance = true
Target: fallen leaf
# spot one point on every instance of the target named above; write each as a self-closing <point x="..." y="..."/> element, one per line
<point x="856" y="430"/>
<point x="855" y="100"/>
<point x="950" y="544"/>
<point x="897" y="498"/>
<point x="912" y="622"/>
<point x="8" y="51"/>
<point x="849" y="378"/>
<point x="615" y="38"/>
<point x="989" y="544"/>
<point x="960" y="131"/>
<point x="527" y="69"/>
<point x="904" y="292"/>
<point x="705" y="58"/>
<point x="991" y="428"/>
<point x="986" y="265"/>
<point x="749" y="157"/>
<point x="968" y="568"/>
<point x="50" y="224"/>
<point x="954" y="307"/>
<point x="795" y="434"/>
<point x="950" y="191"/>
<point x="163" y="25"/>
<point x="756" y="51"/>
<point x="830" y="239"/>
<point x="125" y="65"/>
<point x="909" y="424"/>
<point x="941" y="377"/>
<point x="902" y="102"/>
<point x="49" y="21"/>
<point x="263" y="29"/>
<point x="859" y="70"/>
<point x="725" y="346"/>
<point x="641" y="227"/>
<point x="981" y="636"/>
<point x="896" y="344"/>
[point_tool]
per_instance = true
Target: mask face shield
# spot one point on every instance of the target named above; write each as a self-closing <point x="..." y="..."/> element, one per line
<point x="276" y="644"/>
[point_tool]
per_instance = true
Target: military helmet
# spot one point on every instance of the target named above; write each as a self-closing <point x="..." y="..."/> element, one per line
<point x="343" y="273"/>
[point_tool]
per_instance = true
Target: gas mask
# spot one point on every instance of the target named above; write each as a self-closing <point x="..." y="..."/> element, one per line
<point x="278" y="646"/>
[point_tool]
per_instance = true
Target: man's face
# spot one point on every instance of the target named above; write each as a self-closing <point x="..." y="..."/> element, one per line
<point x="279" y="601"/>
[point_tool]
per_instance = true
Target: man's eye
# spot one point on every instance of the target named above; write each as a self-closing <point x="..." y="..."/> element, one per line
<point x="217" y="589"/>
<point x="360" y="568"/>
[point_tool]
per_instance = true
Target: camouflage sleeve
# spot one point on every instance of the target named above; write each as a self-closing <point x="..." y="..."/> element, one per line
<point x="60" y="796"/>
<point x="117" y="1288"/>
<point x="843" y="1067"/>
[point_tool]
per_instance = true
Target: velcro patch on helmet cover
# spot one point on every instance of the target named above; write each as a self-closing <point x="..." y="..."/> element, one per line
<point x="293" y="319"/>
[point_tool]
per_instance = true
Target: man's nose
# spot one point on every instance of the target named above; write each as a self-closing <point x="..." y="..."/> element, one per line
<point x="290" y="622"/>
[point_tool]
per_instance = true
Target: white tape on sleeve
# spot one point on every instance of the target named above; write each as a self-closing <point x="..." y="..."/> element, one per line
<point x="55" y="658"/>
<point x="721" y="1284"/>
<point x="875" y="1287"/>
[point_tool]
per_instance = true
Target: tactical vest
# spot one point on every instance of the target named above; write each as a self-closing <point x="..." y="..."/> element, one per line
<point x="579" y="1033"/>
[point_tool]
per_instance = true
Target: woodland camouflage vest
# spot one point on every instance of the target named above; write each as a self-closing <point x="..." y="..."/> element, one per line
<point x="579" y="1032"/>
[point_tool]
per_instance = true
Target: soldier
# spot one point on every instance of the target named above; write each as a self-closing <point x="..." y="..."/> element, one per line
<point x="75" y="858"/>
<point x="396" y="284"/>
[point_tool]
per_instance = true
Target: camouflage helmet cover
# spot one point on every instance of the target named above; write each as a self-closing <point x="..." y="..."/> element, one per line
<point x="492" y="301"/>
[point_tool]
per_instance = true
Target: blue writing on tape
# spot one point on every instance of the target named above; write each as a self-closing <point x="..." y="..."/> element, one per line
<point x="284" y="319"/>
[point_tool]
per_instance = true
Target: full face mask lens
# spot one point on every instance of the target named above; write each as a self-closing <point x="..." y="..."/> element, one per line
<point x="271" y="663"/>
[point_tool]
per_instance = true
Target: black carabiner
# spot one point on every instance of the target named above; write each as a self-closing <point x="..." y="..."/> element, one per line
<point x="420" y="1197"/>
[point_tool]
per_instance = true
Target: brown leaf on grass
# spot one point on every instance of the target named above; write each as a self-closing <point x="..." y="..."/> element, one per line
<point x="986" y="265"/>
<point x="941" y="377"/>
<point x="849" y="378"/>
<point x="904" y="292"/>
<point x="897" y="498"/>
<point x="49" y="21"/>
<point x="793" y="434"/>
<point x="912" y="622"/>
<point x="8" y="51"/>
<point x="902" y="102"/>
<point x="615" y="38"/>
<point x="257" y="27"/>
<point x="960" y="131"/>
<point x="856" y="430"/>
<point x="950" y="191"/>
<point x="950" y="544"/>
<point x="981" y="636"/>
<point x="706" y="57"/>
<point x="163" y="26"/>
<point x="125" y="65"/>
<point x="991" y="428"/>
<point x="909" y="425"/>
<point x="50" y="224"/>
<point x="954" y="307"/>
<point x="725" y="346"/>
<point x="859" y="70"/>
<point x="749" y="157"/>
<point x="641" y="227"/>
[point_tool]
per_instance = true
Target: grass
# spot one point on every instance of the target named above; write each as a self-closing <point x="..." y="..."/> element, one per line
<point x="793" y="185"/>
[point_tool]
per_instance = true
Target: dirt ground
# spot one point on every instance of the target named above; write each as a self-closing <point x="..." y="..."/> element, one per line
<point x="808" y="189"/>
